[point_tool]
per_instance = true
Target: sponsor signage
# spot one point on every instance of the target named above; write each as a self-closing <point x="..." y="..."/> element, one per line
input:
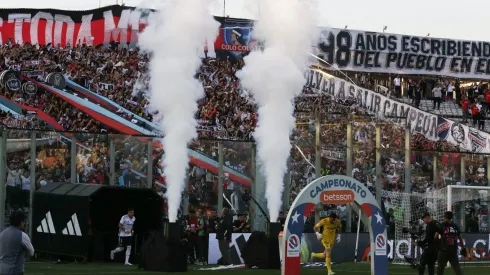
<point x="293" y="246"/>
<point x="344" y="251"/>
<point x="380" y="244"/>
<point x="477" y="245"/>
<point x="337" y="197"/>
<point x="322" y="188"/>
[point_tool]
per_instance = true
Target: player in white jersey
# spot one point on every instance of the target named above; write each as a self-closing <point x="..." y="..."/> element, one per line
<point x="125" y="235"/>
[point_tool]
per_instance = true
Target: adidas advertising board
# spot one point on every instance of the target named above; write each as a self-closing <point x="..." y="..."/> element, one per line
<point x="47" y="225"/>
<point x="72" y="227"/>
<point x="344" y="250"/>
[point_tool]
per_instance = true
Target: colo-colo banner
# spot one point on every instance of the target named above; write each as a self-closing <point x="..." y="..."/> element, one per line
<point x="429" y="125"/>
<point x="102" y="26"/>
<point x="344" y="249"/>
<point x="404" y="54"/>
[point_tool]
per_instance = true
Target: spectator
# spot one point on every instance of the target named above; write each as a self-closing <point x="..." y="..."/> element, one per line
<point x="475" y="113"/>
<point x="241" y="225"/>
<point x="437" y="97"/>
<point x="223" y="235"/>
<point x="192" y="237"/>
<point x="450" y="91"/>
<point x="472" y="225"/>
<point x="398" y="86"/>
<point x="15" y="246"/>
<point x="13" y="186"/>
<point x="202" y="240"/>
<point x="465" y="103"/>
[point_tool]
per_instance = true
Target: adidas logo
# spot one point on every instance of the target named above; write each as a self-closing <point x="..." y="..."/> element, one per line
<point x="47" y="225"/>
<point x="72" y="227"/>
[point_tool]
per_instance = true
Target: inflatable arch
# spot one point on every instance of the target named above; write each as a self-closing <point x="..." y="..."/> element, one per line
<point x="334" y="189"/>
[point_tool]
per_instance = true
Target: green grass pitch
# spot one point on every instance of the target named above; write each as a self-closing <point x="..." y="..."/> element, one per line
<point x="37" y="268"/>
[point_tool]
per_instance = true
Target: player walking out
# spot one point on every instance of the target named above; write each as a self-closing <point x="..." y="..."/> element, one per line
<point x="449" y="234"/>
<point x="331" y="226"/>
<point x="125" y="235"/>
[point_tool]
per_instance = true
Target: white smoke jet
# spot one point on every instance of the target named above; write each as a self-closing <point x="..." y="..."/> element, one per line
<point x="175" y="37"/>
<point x="275" y="76"/>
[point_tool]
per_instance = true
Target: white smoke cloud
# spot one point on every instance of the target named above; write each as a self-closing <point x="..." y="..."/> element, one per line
<point x="275" y="76"/>
<point x="175" y="37"/>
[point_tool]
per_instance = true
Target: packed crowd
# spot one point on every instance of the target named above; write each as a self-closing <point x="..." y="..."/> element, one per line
<point x="225" y="113"/>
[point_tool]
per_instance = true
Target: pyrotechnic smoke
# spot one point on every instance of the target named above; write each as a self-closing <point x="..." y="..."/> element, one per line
<point x="275" y="76"/>
<point x="175" y="38"/>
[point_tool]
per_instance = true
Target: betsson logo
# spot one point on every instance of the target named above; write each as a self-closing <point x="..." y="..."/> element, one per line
<point x="337" y="197"/>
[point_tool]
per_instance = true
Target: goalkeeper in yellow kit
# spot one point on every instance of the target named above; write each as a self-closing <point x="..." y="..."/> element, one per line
<point x="331" y="225"/>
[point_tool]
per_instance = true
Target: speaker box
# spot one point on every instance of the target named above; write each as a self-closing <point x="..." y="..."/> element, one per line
<point x="176" y="260"/>
<point x="164" y="251"/>
<point x="262" y="249"/>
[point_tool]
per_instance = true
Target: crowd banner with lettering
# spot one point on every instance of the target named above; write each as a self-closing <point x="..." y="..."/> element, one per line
<point x="429" y="125"/>
<point x="334" y="155"/>
<point x="103" y="26"/>
<point x="404" y="54"/>
<point x="106" y="86"/>
<point x="37" y="75"/>
<point x="342" y="48"/>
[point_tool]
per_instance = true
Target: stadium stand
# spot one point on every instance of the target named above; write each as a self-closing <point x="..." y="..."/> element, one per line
<point x="113" y="80"/>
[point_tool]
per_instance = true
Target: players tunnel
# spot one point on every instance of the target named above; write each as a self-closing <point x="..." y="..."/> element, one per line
<point x="333" y="189"/>
<point x="81" y="220"/>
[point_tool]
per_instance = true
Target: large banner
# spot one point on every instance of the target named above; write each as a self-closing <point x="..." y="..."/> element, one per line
<point x="404" y="54"/>
<point x="429" y="125"/>
<point x="344" y="250"/>
<point x="102" y="26"/>
<point x="60" y="28"/>
<point x="341" y="48"/>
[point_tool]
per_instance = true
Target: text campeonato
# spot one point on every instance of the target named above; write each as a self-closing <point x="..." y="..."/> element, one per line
<point x="359" y="189"/>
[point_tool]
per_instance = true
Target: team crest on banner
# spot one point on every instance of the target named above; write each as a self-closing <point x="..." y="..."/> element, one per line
<point x="443" y="126"/>
<point x="478" y="142"/>
<point x="237" y="38"/>
<point x="458" y="133"/>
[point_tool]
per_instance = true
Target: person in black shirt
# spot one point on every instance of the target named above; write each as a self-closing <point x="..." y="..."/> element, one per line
<point x="429" y="254"/>
<point x="449" y="235"/>
<point x="281" y="219"/>
<point x="241" y="225"/>
<point x="223" y="235"/>
<point x="310" y="223"/>
<point x="472" y="226"/>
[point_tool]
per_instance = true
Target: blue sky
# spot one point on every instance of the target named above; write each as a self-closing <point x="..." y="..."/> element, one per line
<point x="440" y="18"/>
